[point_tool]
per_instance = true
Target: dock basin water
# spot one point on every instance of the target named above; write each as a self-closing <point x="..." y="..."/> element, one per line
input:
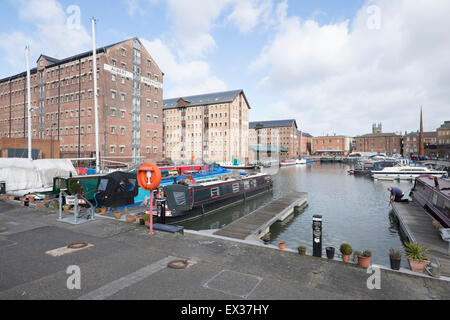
<point x="355" y="210"/>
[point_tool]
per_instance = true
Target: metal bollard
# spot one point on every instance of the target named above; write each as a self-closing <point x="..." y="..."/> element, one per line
<point x="317" y="236"/>
<point x="161" y="203"/>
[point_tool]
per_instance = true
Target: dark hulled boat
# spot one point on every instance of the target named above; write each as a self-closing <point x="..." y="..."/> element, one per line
<point x="434" y="195"/>
<point x="191" y="201"/>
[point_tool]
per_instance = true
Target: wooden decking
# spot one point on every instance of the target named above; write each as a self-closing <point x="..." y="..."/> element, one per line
<point x="417" y="226"/>
<point x="257" y="223"/>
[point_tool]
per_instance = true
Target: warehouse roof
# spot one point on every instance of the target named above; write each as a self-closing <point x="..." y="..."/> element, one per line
<point x="204" y="99"/>
<point x="272" y="124"/>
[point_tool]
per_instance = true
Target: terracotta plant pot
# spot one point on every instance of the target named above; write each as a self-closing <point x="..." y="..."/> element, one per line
<point x="147" y="223"/>
<point x="346" y="258"/>
<point x="131" y="218"/>
<point x="117" y="215"/>
<point x="418" y="265"/>
<point x="103" y="210"/>
<point x="364" y="261"/>
<point x="282" y="245"/>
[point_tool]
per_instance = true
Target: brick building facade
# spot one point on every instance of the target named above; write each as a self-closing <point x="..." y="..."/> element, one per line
<point x="387" y="143"/>
<point x="207" y="128"/>
<point x="285" y="131"/>
<point x="304" y="143"/>
<point x="331" y="145"/>
<point x="129" y="103"/>
<point x="18" y="148"/>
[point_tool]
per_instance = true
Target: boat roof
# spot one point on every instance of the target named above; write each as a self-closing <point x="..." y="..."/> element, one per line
<point x="444" y="184"/>
<point x="209" y="183"/>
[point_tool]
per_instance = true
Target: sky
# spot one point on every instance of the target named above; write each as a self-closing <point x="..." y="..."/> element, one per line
<point x="336" y="67"/>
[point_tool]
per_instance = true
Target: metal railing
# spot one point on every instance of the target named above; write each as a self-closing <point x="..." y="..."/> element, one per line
<point x="88" y="215"/>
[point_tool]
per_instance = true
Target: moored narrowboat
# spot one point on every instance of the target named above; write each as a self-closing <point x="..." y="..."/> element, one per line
<point x="189" y="201"/>
<point x="433" y="194"/>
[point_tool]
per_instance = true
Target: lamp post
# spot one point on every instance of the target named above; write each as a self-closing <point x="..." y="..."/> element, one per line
<point x="51" y="139"/>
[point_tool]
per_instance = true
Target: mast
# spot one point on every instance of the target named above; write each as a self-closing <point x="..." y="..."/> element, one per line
<point x="94" y="71"/>
<point x="27" y="55"/>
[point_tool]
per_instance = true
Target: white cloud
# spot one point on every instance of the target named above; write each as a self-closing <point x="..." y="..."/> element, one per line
<point x="192" y="22"/>
<point x="247" y="14"/>
<point x="342" y="77"/>
<point x="48" y="20"/>
<point x="182" y="78"/>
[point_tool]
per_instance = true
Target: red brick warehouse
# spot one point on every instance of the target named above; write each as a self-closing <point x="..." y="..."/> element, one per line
<point x="130" y="91"/>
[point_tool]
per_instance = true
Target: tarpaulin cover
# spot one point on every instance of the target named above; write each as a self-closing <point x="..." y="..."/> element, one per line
<point x="117" y="189"/>
<point x="23" y="176"/>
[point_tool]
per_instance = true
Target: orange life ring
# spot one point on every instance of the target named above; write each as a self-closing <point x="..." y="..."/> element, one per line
<point x="149" y="176"/>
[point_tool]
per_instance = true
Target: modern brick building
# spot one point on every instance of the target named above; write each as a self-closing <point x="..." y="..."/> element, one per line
<point x="284" y="131"/>
<point x="18" y="148"/>
<point x="331" y="145"/>
<point x="207" y="128"/>
<point x="129" y="103"/>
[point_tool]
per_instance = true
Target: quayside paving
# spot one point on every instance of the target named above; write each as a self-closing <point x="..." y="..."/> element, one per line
<point x="127" y="263"/>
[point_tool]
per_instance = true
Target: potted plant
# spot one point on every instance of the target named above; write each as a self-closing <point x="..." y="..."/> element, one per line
<point x="301" y="250"/>
<point x="363" y="258"/>
<point x="330" y="252"/>
<point x="417" y="256"/>
<point x="146" y="218"/>
<point x="117" y="215"/>
<point x="66" y="207"/>
<point x="346" y="251"/>
<point x="282" y="245"/>
<point x="395" y="257"/>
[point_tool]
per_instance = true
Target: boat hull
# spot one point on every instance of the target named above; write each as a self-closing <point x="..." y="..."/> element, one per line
<point x="401" y="176"/>
<point x="436" y="202"/>
<point x="190" y="202"/>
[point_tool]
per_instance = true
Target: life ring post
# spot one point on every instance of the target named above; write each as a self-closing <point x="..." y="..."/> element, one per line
<point x="149" y="179"/>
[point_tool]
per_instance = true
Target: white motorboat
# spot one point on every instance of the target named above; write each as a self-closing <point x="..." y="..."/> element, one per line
<point x="285" y="163"/>
<point x="300" y="161"/>
<point x="405" y="173"/>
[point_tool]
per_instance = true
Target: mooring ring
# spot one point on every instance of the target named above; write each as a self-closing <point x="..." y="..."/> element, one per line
<point x="77" y="245"/>
<point x="178" y="264"/>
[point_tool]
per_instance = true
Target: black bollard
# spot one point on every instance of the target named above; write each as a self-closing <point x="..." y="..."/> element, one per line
<point x="161" y="210"/>
<point x="317" y="236"/>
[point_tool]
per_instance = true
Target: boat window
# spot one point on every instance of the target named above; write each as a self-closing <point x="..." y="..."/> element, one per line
<point x="246" y="184"/>
<point x="235" y="187"/>
<point x="435" y="199"/>
<point x="102" y="185"/>
<point x="215" y="192"/>
<point x="180" y="198"/>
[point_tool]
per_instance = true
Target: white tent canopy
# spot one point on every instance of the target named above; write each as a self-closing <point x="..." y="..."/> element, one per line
<point x="23" y="176"/>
